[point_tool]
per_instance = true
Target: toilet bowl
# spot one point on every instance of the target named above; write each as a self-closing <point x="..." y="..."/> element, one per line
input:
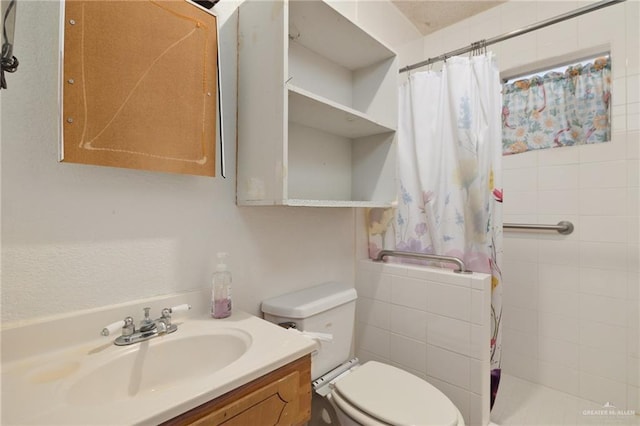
<point x="372" y="393"/>
<point x="380" y="394"/>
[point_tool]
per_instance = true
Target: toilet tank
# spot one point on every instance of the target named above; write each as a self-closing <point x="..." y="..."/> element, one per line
<point x="326" y="308"/>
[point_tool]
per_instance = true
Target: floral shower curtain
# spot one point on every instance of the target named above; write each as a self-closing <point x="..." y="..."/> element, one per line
<point x="450" y="189"/>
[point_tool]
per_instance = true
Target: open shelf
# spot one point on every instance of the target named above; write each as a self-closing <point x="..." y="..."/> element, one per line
<point x="316" y="112"/>
<point x="317" y="108"/>
<point x="322" y="29"/>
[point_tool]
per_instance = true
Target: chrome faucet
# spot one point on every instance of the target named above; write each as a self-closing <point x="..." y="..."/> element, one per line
<point x="148" y="328"/>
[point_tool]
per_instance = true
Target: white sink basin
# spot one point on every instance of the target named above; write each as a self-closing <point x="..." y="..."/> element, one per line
<point x="158" y="364"/>
<point x="95" y="382"/>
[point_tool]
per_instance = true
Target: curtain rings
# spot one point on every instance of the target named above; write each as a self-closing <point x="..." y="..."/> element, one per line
<point x="478" y="48"/>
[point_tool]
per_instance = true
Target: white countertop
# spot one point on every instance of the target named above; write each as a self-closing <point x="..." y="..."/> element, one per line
<point x="35" y="389"/>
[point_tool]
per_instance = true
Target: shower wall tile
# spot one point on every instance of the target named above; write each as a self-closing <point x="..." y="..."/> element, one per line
<point x="559" y="252"/>
<point x="364" y="356"/>
<point x="448" y="366"/>
<point x="408" y="352"/>
<point x="519" y="343"/>
<point x="430" y="322"/>
<point x="521" y="202"/>
<point x="520" y="161"/>
<point x="558" y="177"/>
<point x="614" y="150"/>
<point x="559" y="277"/>
<point x="409" y="322"/>
<point x="558" y="202"/>
<point x="521" y="248"/>
<point x="478" y="378"/>
<point x="633" y="230"/>
<point x="373" y="284"/>
<point x="609" y="229"/>
<point x="523" y="366"/>
<point x="520" y="179"/>
<point x="603" y="202"/>
<point x="559" y="377"/>
<point x="633" y="257"/>
<point x="603" y="255"/>
<point x="619" y="91"/>
<point x="599" y="389"/>
<point x="602" y="336"/>
<point x="564" y="156"/>
<point x="372" y="339"/>
<point x="633" y="285"/>
<point x="603" y="309"/>
<point x="515" y="15"/>
<point x="633" y="398"/>
<point x="448" y="300"/>
<point x="633" y="145"/>
<point x="522" y="293"/>
<point x="633" y="371"/>
<point x="633" y="173"/>
<point x="606" y="174"/>
<point x="633" y="88"/>
<point x="449" y="334"/>
<point x="583" y="313"/>
<point x="409" y="292"/>
<point x="373" y="312"/>
<point x="477" y="415"/>
<point x="560" y="327"/>
<point x="479" y="304"/>
<point x="523" y="320"/>
<point x="558" y="302"/>
<point x="604" y="282"/>
<point x="633" y="117"/>
<point x="609" y="363"/>
<point x="559" y="352"/>
<point x="444" y="276"/>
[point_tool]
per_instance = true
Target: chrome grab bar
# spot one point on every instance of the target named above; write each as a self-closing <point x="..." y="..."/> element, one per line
<point x="564" y="227"/>
<point x="448" y="259"/>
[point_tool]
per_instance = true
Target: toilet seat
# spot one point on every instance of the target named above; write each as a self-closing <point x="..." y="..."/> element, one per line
<point x="380" y="394"/>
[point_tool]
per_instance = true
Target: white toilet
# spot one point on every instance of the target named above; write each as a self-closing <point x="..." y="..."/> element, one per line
<point x="372" y="393"/>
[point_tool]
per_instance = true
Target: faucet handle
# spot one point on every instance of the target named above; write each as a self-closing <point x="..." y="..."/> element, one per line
<point x="111" y="328"/>
<point x="166" y="313"/>
<point x="126" y="325"/>
<point x="179" y="308"/>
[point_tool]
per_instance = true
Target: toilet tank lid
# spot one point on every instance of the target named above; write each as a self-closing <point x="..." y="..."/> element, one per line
<point x="310" y="301"/>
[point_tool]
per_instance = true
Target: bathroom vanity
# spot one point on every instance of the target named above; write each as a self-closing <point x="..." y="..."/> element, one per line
<point x="282" y="397"/>
<point x="238" y="370"/>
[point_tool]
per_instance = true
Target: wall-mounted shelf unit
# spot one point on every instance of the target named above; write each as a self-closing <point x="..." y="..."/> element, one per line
<point x="317" y="108"/>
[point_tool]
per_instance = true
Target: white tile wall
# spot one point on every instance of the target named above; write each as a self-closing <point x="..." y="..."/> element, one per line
<point x="431" y="322"/>
<point x="570" y="313"/>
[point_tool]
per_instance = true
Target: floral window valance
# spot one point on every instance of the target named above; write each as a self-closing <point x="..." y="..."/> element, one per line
<point x="558" y="109"/>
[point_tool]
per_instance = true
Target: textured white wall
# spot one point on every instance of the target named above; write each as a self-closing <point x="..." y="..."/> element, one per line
<point x="77" y="237"/>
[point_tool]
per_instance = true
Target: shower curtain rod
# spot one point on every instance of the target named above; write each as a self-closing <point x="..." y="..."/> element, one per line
<point x="483" y="43"/>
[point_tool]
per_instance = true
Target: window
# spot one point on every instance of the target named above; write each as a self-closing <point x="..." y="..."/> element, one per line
<point x="563" y="106"/>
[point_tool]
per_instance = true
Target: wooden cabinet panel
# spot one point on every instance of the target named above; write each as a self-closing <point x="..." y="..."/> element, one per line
<point x="282" y="397"/>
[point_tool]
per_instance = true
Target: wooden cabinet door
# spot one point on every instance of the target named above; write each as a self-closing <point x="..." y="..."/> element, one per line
<point x="282" y="397"/>
<point x="274" y="404"/>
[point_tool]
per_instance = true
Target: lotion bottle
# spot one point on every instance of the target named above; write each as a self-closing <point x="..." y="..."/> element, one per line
<point x="221" y="289"/>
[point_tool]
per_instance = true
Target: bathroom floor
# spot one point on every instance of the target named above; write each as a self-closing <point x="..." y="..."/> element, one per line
<point x="521" y="402"/>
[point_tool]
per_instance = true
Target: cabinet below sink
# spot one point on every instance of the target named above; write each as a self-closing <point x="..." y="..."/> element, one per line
<point x="282" y="397"/>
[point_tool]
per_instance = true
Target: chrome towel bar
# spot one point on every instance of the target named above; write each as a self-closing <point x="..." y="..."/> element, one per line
<point x="448" y="259"/>
<point x="564" y="227"/>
